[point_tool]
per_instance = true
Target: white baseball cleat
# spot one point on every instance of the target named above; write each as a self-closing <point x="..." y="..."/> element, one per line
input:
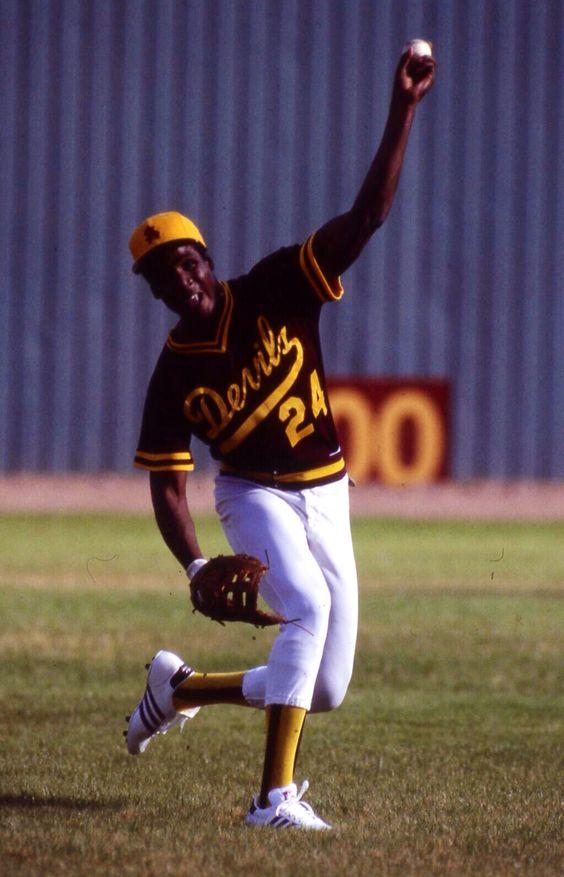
<point x="155" y="713"/>
<point x="287" y="810"/>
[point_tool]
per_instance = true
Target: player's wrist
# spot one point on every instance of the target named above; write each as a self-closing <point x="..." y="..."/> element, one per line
<point x="402" y="105"/>
<point x="194" y="566"/>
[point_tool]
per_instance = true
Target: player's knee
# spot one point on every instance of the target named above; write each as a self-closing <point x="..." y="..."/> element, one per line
<point x="328" y="695"/>
<point x="312" y="615"/>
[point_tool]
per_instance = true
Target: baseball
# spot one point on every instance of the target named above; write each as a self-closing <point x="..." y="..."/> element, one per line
<point x="421" y="48"/>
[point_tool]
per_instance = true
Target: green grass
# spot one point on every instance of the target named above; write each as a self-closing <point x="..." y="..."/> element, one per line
<point x="444" y="759"/>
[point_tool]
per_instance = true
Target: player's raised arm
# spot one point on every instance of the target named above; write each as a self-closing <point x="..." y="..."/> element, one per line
<point x="340" y="241"/>
<point x="168" y="492"/>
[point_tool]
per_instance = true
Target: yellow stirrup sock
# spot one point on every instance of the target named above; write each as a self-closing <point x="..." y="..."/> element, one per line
<point x="202" y="689"/>
<point x="284" y="725"/>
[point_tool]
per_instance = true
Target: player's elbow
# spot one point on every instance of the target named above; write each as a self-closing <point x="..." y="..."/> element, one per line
<point x="364" y="222"/>
<point x="373" y="220"/>
<point x="168" y="489"/>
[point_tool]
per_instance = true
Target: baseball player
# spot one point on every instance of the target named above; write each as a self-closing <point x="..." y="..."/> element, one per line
<point x="242" y="370"/>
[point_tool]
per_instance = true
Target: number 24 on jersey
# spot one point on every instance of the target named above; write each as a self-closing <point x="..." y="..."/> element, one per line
<point x="294" y="411"/>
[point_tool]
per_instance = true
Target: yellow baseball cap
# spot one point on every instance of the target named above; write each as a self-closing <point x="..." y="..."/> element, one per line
<point x="162" y="228"/>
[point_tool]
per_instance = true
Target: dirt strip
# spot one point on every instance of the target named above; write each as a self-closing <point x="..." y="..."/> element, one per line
<point x="32" y="492"/>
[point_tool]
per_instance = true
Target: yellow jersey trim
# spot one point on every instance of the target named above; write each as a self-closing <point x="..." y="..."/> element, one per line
<point x="174" y="455"/>
<point x="181" y="467"/>
<point x="314" y="273"/>
<point x="219" y="343"/>
<point x="174" y="461"/>
<point x="309" y="276"/>
<point x="287" y="477"/>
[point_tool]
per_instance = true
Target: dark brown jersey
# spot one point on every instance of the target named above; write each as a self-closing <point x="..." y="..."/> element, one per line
<point x="255" y="393"/>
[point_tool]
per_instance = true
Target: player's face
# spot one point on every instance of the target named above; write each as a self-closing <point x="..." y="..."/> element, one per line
<point x="183" y="279"/>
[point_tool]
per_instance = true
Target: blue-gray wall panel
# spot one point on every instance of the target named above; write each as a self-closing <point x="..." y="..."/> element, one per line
<point x="260" y="118"/>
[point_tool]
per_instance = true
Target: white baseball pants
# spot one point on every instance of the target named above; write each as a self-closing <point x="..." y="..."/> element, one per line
<point x="304" y="537"/>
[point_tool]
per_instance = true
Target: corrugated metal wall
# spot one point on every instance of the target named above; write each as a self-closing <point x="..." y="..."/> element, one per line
<point x="259" y="119"/>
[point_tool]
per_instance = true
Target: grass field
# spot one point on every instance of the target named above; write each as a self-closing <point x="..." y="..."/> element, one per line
<point x="444" y="759"/>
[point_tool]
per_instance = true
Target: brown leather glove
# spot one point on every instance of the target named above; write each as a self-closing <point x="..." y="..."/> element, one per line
<point x="226" y="588"/>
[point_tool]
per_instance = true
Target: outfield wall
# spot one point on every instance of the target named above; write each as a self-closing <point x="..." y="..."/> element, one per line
<point x="259" y="118"/>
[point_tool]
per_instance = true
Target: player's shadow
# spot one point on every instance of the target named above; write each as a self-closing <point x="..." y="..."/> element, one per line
<point x="41" y="802"/>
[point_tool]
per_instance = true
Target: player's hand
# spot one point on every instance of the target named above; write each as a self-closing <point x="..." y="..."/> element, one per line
<point x="414" y="77"/>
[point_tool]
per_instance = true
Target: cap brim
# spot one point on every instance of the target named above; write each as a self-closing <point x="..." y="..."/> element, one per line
<point x="137" y="266"/>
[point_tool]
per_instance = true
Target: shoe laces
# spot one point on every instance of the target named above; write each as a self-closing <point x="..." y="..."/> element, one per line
<point x="289" y="804"/>
<point x="176" y="720"/>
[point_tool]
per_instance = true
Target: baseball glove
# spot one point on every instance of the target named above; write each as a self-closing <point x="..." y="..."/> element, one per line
<point x="227" y="588"/>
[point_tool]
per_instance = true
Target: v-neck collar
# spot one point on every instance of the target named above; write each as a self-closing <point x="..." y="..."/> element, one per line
<point x="217" y="344"/>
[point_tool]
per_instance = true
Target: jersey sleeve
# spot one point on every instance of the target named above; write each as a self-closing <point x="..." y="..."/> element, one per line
<point x="325" y="286"/>
<point x="293" y="273"/>
<point x="164" y="443"/>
